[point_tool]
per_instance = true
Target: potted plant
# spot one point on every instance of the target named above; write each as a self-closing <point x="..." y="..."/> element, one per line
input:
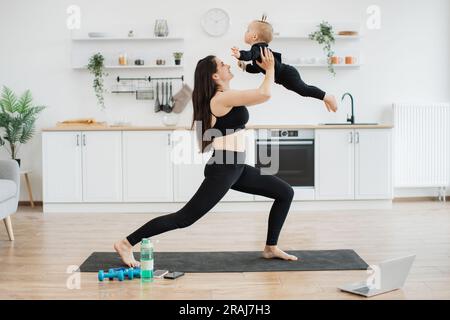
<point x="17" y="118"/>
<point x="325" y="35"/>
<point x="178" y="56"/>
<point x="97" y="68"/>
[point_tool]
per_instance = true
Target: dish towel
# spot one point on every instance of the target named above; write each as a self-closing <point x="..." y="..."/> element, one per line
<point x="181" y="98"/>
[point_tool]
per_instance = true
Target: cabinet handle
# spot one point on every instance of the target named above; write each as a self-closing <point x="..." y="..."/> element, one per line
<point x="84" y="140"/>
<point x="168" y="139"/>
<point x="357" y="137"/>
<point x="351" y="137"/>
<point x="78" y="140"/>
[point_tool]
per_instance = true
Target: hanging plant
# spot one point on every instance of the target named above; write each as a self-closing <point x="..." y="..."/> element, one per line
<point x="97" y="68"/>
<point x="325" y="35"/>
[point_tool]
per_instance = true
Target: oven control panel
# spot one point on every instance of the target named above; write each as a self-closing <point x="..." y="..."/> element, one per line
<point x="266" y="134"/>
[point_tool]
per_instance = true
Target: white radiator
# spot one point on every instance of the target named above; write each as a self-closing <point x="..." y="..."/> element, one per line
<point x="422" y="145"/>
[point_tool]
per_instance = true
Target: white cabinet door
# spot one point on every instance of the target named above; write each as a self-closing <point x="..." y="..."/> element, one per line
<point x="373" y="167"/>
<point x="188" y="164"/>
<point x="233" y="195"/>
<point x="334" y="164"/>
<point x="189" y="169"/>
<point x="147" y="166"/>
<point x="61" y="167"/>
<point x="102" y="166"/>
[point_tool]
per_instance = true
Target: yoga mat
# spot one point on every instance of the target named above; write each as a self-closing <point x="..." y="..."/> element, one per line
<point x="235" y="261"/>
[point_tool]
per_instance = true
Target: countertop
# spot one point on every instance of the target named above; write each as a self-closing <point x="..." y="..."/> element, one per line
<point x="261" y="126"/>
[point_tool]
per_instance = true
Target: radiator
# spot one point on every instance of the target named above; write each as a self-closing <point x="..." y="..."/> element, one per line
<point x="421" y="145"/>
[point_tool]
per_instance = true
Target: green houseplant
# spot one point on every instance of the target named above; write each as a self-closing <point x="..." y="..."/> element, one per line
<point x="97" y="68"/>
<point x="325" y="35"/>
<point x="178" y="56"/>
<point x="17" y="118"/>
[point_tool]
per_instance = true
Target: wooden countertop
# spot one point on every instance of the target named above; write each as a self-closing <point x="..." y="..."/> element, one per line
<point x="155" y="128"/>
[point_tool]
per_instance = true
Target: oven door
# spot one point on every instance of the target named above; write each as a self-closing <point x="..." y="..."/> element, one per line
<point x="295" y="156"/>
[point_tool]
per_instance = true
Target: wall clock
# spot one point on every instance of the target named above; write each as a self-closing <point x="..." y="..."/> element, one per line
<point x="216" y="22"/>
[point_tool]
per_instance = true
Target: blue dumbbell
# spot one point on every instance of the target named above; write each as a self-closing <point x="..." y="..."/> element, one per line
<point x="112" y="273"/>
<point x="132" y="273"/>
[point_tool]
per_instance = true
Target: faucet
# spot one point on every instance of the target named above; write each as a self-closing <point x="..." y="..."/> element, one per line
<point x="352" y="118"/>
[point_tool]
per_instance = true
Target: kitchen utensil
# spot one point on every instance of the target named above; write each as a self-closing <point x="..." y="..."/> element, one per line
<point x="162" y="96"/>
<point x="168" y="102"/>
<point x="157" y="104"/>
<point x="171" y="97"/>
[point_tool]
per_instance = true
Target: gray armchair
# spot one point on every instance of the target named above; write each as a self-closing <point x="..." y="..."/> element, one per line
<point x="9" y="192"/>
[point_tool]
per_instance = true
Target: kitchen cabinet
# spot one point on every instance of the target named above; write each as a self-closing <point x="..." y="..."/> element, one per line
<point x="147" y="166"/>
<point x="353" y="164"/>
<point x="61" y="167"/>
<point x="189" y="173"/>
<point x="373" y="164"/>
<point x="102" y="166"/>
<point x="75" y="170"/>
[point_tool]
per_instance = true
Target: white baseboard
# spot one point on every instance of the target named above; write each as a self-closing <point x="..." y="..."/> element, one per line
<point x="164" y="207"/>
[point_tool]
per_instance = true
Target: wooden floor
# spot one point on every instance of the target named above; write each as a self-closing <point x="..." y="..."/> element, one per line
<point x="35" y="265"/>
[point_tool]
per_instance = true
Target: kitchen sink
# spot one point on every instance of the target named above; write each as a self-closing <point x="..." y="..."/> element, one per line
<point x="349" y="124"/>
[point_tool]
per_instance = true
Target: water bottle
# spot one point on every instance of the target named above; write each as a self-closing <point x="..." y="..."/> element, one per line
<point x="146" y="260"/>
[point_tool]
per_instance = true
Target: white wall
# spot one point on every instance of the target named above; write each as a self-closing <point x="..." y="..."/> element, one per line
<point x="406" y="60"/>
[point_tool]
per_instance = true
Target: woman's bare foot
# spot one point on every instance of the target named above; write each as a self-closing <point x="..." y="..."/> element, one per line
<point x="330" y="102"/>
<point x="125" y="251"/>
<point x="271" y="252"/>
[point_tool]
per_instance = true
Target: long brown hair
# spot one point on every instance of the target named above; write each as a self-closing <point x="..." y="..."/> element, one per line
<point x="204" y="89"/>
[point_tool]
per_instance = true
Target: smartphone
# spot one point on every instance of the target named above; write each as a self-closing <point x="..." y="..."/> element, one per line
<point x="159" y="273"/>
<point x="173" y="275"/>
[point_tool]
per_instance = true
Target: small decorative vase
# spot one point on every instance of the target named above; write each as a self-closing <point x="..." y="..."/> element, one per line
<point x="18" y="161"/>
<point x="161" y="28"/>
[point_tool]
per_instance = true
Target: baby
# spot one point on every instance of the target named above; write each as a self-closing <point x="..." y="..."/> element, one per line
<point x="259" y="34"/>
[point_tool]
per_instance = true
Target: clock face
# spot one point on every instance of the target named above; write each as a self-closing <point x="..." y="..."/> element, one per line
<point x="216" y="22"/>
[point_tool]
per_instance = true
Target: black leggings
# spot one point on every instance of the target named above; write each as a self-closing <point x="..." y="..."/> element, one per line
<point x="290" y="78"/>
<point x="220" y="176"/>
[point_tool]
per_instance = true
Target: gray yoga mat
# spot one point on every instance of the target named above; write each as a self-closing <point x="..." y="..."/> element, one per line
<point x="235" y="261"/>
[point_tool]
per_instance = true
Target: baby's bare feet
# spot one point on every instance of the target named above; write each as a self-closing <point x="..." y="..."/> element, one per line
<point x="125" y="251"/>
<point x="271" y="252"/>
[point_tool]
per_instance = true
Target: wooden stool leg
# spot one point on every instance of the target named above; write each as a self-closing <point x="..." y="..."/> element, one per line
<point x="30" y="193"/>
<point x="9" y="228"/>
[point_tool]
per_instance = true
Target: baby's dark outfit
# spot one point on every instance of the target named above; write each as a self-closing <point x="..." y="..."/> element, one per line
<point x="285" y="74"/>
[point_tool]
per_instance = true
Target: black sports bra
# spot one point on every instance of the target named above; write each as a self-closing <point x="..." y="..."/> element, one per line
<point x="234" y="119"/>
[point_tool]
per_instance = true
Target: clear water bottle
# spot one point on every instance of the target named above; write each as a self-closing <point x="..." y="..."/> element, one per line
<point x="146" y="260"/>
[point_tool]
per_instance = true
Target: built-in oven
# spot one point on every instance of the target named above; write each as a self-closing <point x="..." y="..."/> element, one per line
<point x="286" y="153"/>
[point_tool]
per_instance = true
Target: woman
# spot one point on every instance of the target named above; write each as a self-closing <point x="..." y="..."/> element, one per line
<point x="220" y="110"/>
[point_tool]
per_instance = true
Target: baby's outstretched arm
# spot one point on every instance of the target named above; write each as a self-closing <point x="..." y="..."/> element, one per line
<point x="235" y="52"/>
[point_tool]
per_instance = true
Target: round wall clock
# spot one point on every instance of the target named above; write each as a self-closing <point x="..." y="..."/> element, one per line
<point x="216" y="22"/>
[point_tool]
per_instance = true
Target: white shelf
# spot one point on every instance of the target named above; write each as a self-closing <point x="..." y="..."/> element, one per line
<point x="172" y="66"/>
<point x="355" y="65"/>
<point x="126" y="38"/>
<point x="306" y="37"/>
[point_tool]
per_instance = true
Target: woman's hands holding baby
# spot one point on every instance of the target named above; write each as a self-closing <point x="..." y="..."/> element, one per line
<point x="267" y="60"/>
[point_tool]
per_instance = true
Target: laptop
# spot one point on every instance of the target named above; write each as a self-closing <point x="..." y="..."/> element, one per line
<point x="390" y="275"/>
